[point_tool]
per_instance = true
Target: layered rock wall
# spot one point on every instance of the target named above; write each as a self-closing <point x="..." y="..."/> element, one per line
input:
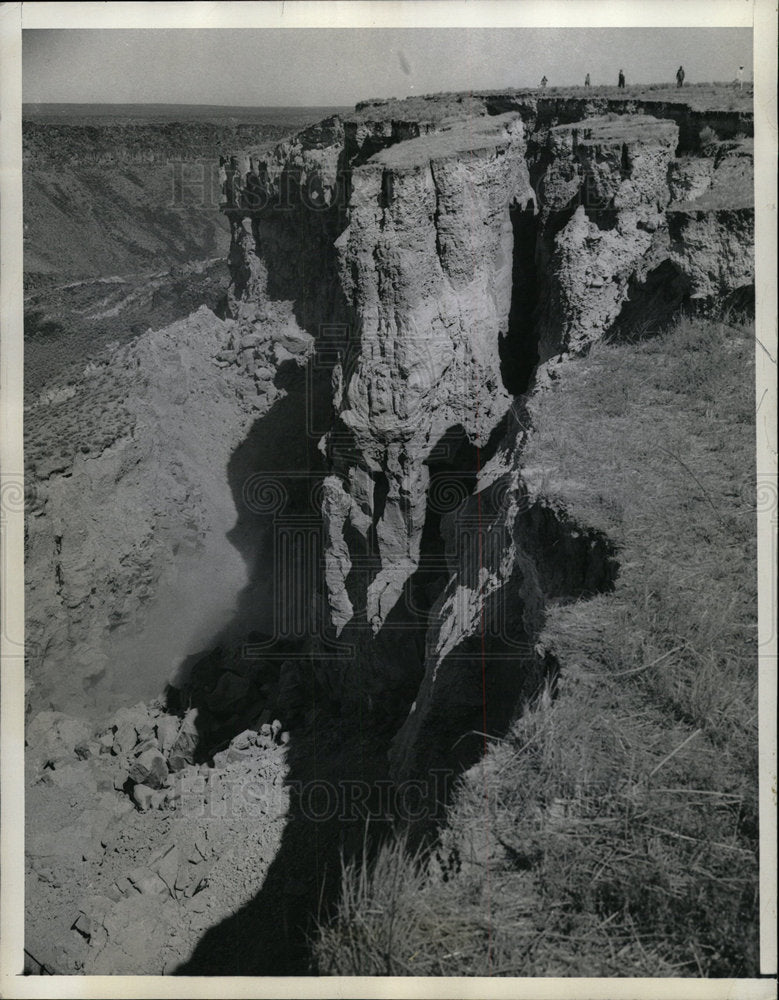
<point x="429" y="300"/>
<point x="613" y="175"/>
<point x="401" y="240"/>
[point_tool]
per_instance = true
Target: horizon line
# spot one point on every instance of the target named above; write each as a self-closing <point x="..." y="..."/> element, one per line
<point x="482" y="90"/>
<point x="184" y="104"/>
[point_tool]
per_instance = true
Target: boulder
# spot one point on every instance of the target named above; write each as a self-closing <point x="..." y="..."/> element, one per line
<point x="106" y="741"/>
<point x="92" y="851"/>
<point x="123" y="886"/>
<point x="134" y="715"/>
<point x="149" y="769"/>
<point x="263" y="719"/>
<point x="167" y="731"/>
<point x="159" y="799"/>
<point x="296" y="341"/>
<point x="92" y="912"/>
<point x="49" y="466"/>
<point x="121" y="807"/>
<point x="231" y="755"/>
<point x="251" y="340"/>
<point x="184" y="749"/>
<point x="142" y="796"/>
<point x="125" y="738"/>
<point x="199" y="904"/>
<point x="146" y="732"/>
<point x="281" y="354"/>
<point x="244" y="740"/>
<point x="83" y="925"/>
<point x="147" y="882"/>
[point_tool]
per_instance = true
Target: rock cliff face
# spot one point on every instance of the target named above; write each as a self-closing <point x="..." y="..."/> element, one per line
<point x="613" y="175"/>
<point x="131" y="517"/>
<point x="429" y="298"/>
<point x="711" y="224"/>
<point x="436" y="251"/>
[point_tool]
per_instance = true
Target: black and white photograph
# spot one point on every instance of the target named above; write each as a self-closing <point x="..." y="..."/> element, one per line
<point x="389" y="496"/>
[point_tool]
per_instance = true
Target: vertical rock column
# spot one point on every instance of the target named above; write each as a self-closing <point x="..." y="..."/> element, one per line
<point x="426" y="268"/>
<point x="607" y="181"/>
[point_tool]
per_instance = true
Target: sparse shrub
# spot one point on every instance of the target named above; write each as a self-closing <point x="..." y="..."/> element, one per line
<point x="707" y="138"/>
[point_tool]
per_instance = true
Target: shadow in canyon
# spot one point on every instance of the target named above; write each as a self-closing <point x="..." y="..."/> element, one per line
<point x="337" y="761"/>
<point x="519" y="348"/>
<point x="278" y="654"/>
<point x="343" y="802"/>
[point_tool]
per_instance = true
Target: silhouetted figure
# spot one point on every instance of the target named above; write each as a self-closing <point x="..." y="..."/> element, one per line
<point x="544" y="82"/>
<point x="587" y="80"/>
<point x="680" y="77"/>
<point x="740" y="78"/>
<point x="621" y="80"/>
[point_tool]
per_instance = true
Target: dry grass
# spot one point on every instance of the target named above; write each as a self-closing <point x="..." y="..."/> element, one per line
<point x="721" y="96"/>
<point x="699" y="96"/>
<point x="614" y="830"/>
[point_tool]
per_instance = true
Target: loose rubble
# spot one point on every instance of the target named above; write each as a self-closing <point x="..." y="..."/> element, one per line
<point x="133" y="848"/>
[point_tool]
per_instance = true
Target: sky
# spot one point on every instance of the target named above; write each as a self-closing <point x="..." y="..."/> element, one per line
<point x="335" y="67"/>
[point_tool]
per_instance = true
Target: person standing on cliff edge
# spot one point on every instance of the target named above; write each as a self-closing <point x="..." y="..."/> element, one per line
<point x="740" y="78"/>
<point x="587" y="80"/>
<point x="680" y="77"/>
<point x="544" y="82"/>
<point x="621" y="80"/>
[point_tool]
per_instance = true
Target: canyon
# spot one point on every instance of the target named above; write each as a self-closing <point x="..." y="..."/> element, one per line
<point x="301" y="523"/>
<point x="482" y="247"/>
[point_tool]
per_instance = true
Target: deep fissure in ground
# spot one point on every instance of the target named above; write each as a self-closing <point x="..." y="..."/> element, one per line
<point x="502" y="673"/>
